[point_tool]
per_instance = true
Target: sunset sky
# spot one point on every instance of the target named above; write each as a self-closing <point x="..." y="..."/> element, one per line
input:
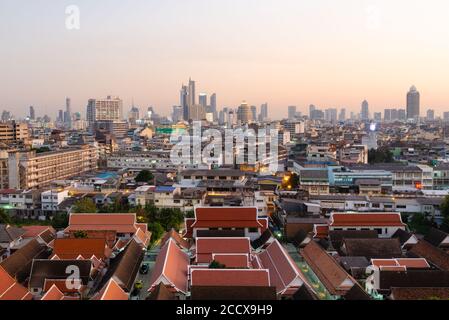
<point x="285" y="52"/>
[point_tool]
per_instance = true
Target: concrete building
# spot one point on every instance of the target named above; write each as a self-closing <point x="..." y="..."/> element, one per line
<point x="28" y="170"/>
<point x="12" y="131"/>
<point x="413" y="101"/>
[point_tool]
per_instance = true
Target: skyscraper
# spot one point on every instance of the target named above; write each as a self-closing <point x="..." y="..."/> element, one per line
<point x="213" y="105"/>
<point x="291" y="112"/>
<point x="203" y="100"/>
<point x="263" y="116"/>
<point x="378" y="116"/>
<point x="68" y="113"/>
<point x="184" y="102"/>
<point x="364" y="114"/>
<point x="312" y="108"/>
<point x="191" y="97"/>
<point x="133" y="115"/>
<point x="342" y="115"/>
<point x="244" y="114"/>
<point x="254" y="113"/>
<point x="330" y="115"/>
<point x="32" y="113"/>
<point x="413" y="100"/>
<point x="430" y="115"/>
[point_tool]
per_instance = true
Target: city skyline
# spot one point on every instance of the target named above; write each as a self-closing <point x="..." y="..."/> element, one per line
<point x="295" y="54"/>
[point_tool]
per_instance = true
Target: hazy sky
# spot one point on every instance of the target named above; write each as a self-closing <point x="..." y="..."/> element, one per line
<point x="284" y="52"/>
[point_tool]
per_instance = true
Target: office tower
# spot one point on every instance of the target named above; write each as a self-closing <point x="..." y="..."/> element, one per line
<point x="291" y="112"/>
<point x="364" y="114"/>
<point x="253" y="113"/>
<point x="402" y="115"/>
<point x="213" y="105"/>
<point x="330" y="115"/>
<point x="387" y="115"/>
<point x="263" y="116"/>
<point x="109" y="109"/>
<point x="197" y="112"/>
<point x="430" y="115"/>
<point x="394" y="114"/>
<point x="317" y="115"/>
<point x="342" y="115"/>
<point x="68" y="113"/>
<point x="413" y="99"/>
<point x="378" y="116"/>
<point x="133" y="115"/>
<point x="32" y="113"/>
<point x="203" y="100"/>
<point x="6" y="115"/>
<point x="60" y="116"/>
<point x="177" y="114"/>
<point x="446" y="116"/>
<point x="244" y="113"/>
<point x="191" y="96"/>
<point x="312" y="108"/>
<point x="184" y="102"/>
<point x="352" y="116"/>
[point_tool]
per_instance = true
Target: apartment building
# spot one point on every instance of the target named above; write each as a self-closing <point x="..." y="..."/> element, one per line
<point x="12" y="131"/>
<point x="31" y="170"/>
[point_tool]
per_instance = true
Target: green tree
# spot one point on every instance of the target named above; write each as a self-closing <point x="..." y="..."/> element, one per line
<point x="80" y="234"/>
<point x="190" y="214"/>
<point x="216" y="265"/>
<point x="85" y="205"/>
<point x="4" y="217"/>
<point x="156" y="231"/>
<point x="381" y="155"/>
<point x="144" y="176"/>
<point x="60" y="221"/>
<point x="419" y="223"/>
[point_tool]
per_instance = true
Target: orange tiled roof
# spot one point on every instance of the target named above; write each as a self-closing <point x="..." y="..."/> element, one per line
<point x="171" y="267"/>
<point x="387" y="219"/>
<point x="232" y="260"/>
<point x="284" y="273"/>
<point x="177" y="237"/>
<point x="408" y="263"/>
<point x="226" y="217"/>
<point x="230" y="277"/>
<point x="71" y="248"/>
<point x="10" y="289"/>
<point x="34" y="231"/>
<point x="205" y="247"/>
<point x="111" y="291"/>
<point x="53" y="294"/>
<point x="119" y="222"/>
<point x="321" y="231"/>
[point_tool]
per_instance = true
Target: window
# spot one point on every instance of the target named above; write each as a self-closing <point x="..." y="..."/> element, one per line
<point x="379" y="231"/>
<point x="253" y="230"/>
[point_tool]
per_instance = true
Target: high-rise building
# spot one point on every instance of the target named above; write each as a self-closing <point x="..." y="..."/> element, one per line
<point x="387" y="115"/>
<point x="291" y="112"/>
<point x="263" y="116"/>
<point x="378" y="116"/>
<point x="60" y="116"/>
<point x="177" y="114"/>
<point x="364" y="114"/>
<point x="312" y="108"/>
<point x="342" y="115"/>
<point x="32" y="113"/>
<point x="133" y="115"/>
<point x="446" y="116"/>
<point x="213" y="105"/>
<point x="109" y="109"/>
<point x="394" y="114"/>
<point x="254" y="113"/>
<point x="184" y="102"/>
<point x="12" y="131"/>
<point x="203" y="100"/>
<point x="430" y="115"/>
<point x="413" y="101"/>
<point x="244" y="114"/>
<point x="68" y="113"/>
<point x="197" y="112"/>
<point x="330" y="115"/>
<point x="402" y="115"/>
<point x="192" y="92"/>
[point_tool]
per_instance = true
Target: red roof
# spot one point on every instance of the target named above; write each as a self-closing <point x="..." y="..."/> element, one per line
<point x="34" y="231"/>
<point x="232" y="260"/>
<point x="284" y="273"/>
<point x="230" y="277"/>
<point x="205" y="247"/>
<point x="71" y="248"/>
<point x="119" y="222"/>
<point x="171" y="268"/>
<point x="321" y="231"/>
<point x="53" y="294"/>
<point x="111" y="291"/>
<point x="226" y="217"/>
<point x="408" y="263"/>
<point x="10" y="289"/>
<point x="387" y="219"/>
